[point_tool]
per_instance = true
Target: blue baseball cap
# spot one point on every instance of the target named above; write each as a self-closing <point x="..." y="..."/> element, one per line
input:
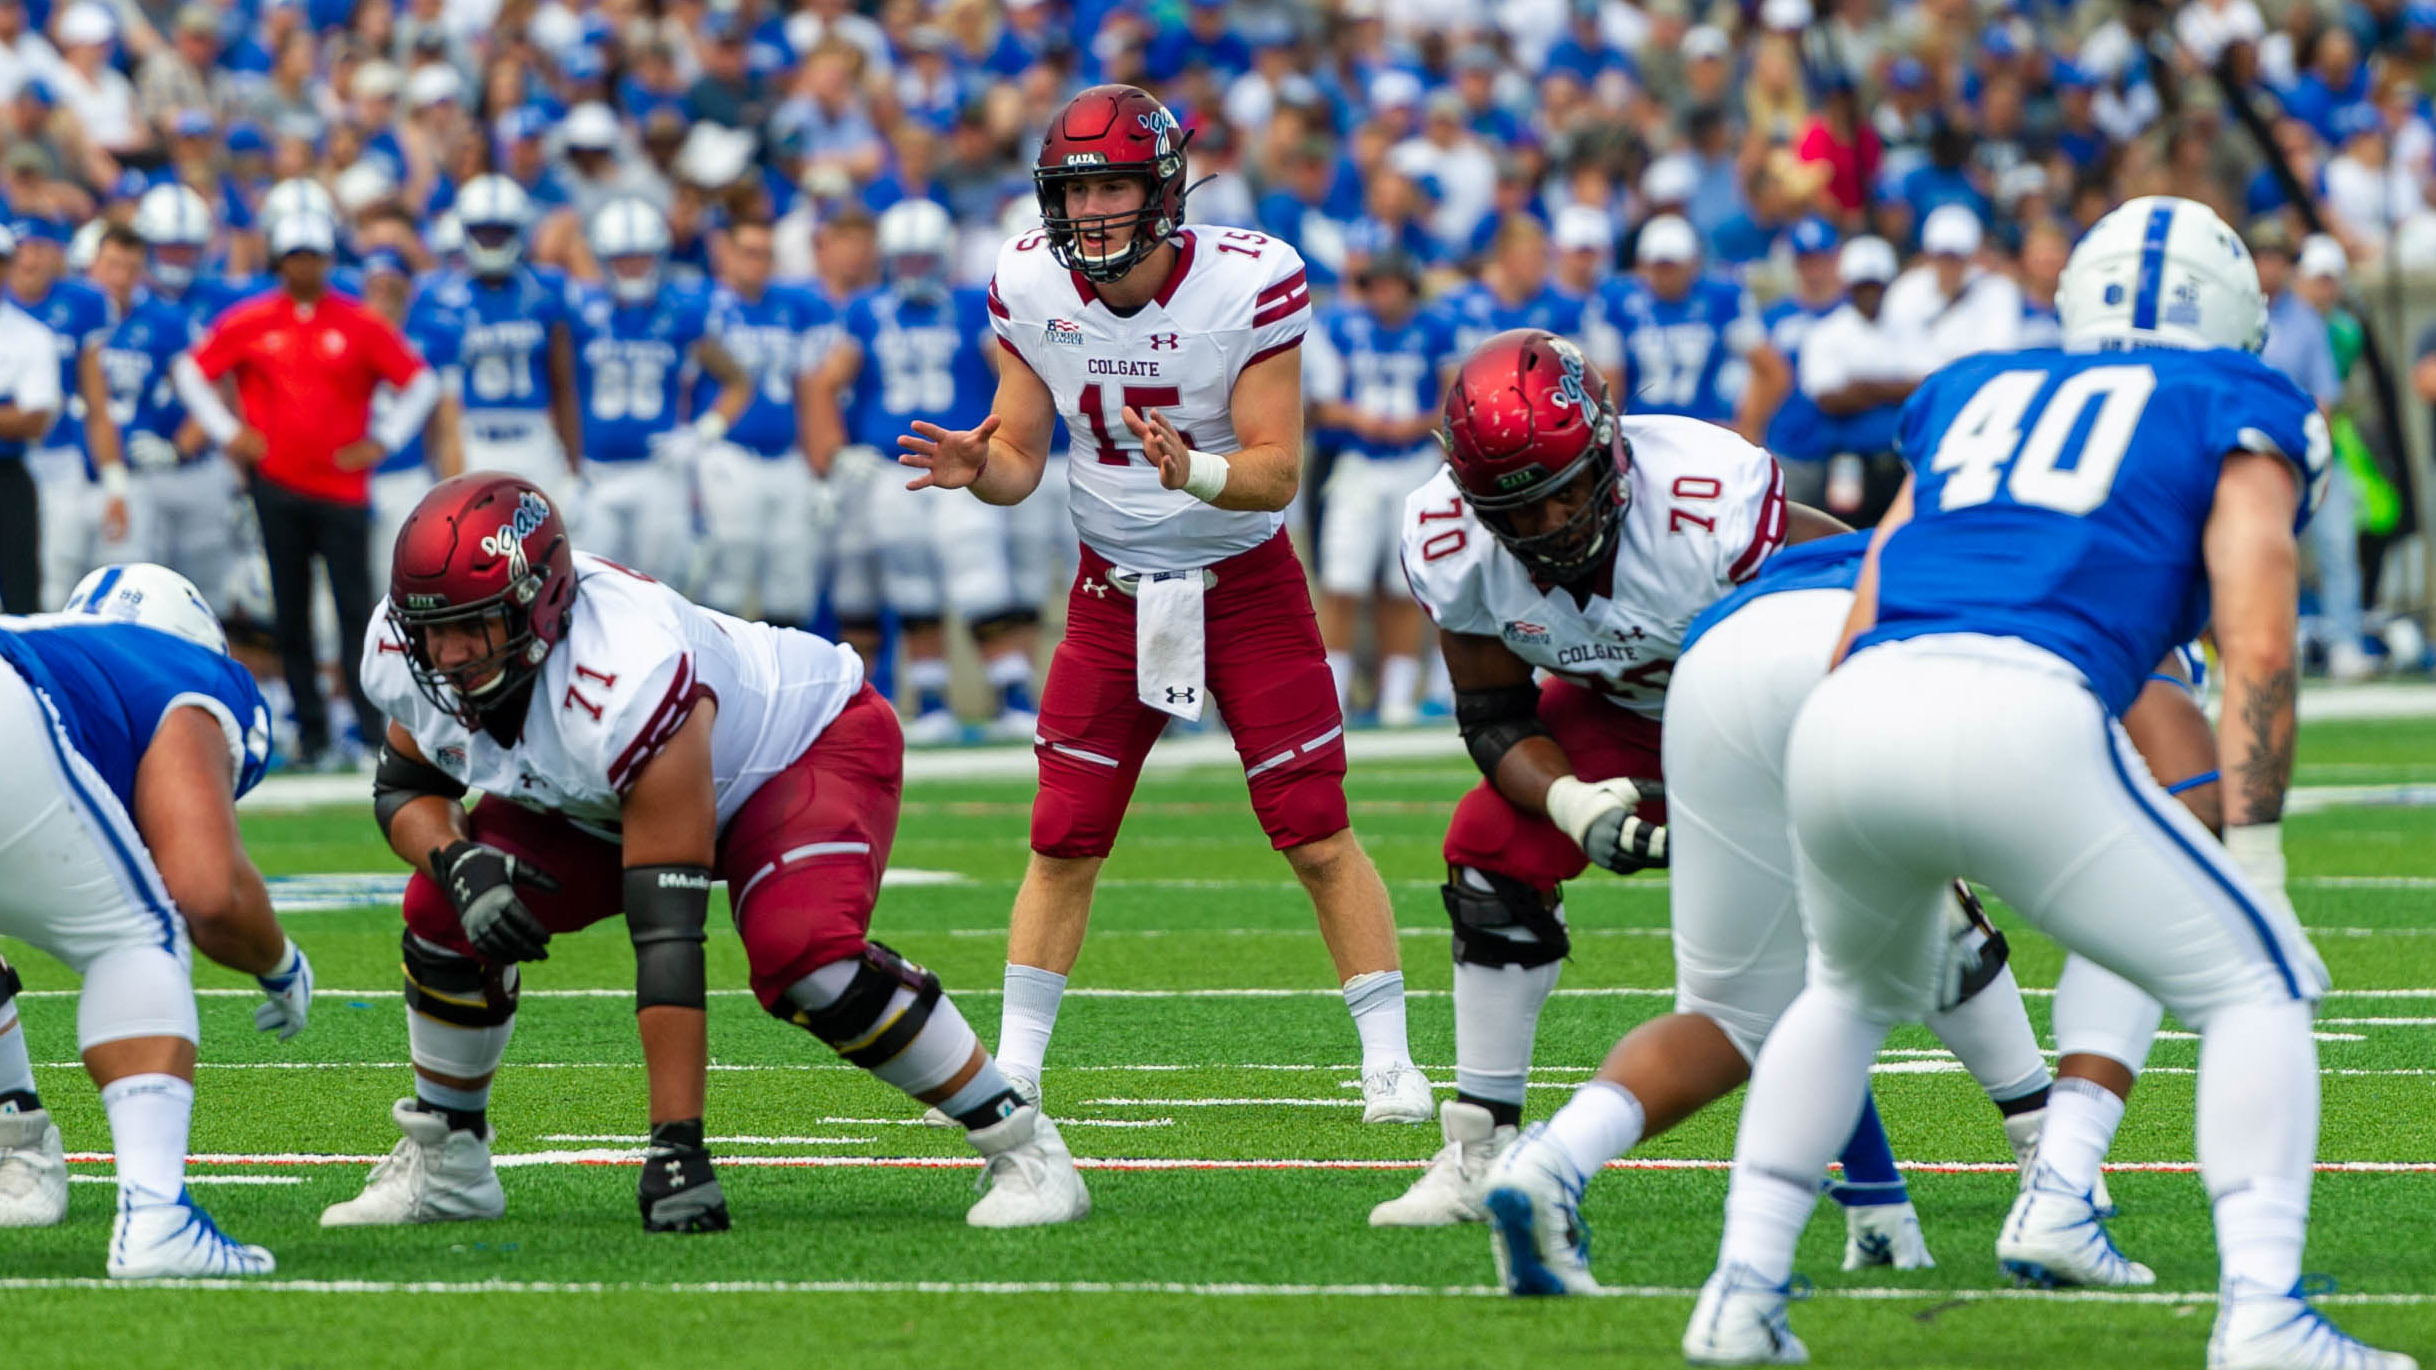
<point x="2419" y="16"/>
<point x="723" y="26"/>
<point x="1812" y="235"/>
<point x="244" y="139"/>
<point x="582" y="63"/>
<point x="2069" y="77"/>
<point x="44" y="227"/>
<point x="2355" y="120"/>
<point x="191" y="123"/>
<point x="130" y="185"/>
<point x="385" y="261"/>
<point x="36" y="89"/>
<point x="1907" y="73"/>
<point x="522" y="124"/>
<point x="1997" y="41"/>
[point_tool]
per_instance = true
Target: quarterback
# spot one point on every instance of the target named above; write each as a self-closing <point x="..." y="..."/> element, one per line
<point x="1171" y="353"/>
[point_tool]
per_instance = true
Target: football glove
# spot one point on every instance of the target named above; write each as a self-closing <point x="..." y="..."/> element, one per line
<point x="1974" y="949"/>
<point x="481" y="885"/>
<point x="1599" y="817"/>
<point x="678" y="1191"/>
<point x="289" y="988"/>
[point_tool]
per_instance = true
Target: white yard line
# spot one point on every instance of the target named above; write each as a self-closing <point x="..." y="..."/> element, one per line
<point x="201" y="1179"/>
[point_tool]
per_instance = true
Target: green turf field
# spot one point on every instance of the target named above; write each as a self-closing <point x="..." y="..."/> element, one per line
<point x="1203" y="1067"/>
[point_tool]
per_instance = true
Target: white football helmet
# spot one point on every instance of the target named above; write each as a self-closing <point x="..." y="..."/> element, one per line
<point x="175" y="223"/>
<point x="154" y="596"/>
<point x="915" y="238"/>
<point x="86" y="245"/>
<point x="494" y="212"/>
<point x="296" y="195"/>
<point x="2162" y="272"/>
<point x="447" y="239"/>
<point x="626" y="229"/>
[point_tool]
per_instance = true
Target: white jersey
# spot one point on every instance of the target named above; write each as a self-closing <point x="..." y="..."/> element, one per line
<point x="1706" y="510"/>
<point x="1236" y="297"/>
<point x="635" y="661"/>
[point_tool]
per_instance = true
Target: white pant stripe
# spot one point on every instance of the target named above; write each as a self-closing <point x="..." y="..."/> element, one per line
<point x="802" y="853"/>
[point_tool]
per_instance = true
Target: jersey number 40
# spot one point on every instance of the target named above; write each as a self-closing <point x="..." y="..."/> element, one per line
<point x="1986" y="439"/>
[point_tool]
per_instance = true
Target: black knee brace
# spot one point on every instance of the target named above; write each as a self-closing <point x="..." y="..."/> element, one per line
<point x="457" y="990"/>
<point x="1507" y="903"/>
<point x="9" y="983"/>
<point x="1993" y="953"/>
<point x="857" y="1024"/>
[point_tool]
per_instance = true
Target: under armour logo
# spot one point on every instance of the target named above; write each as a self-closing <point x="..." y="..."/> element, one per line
<point x="676" y="1172"/>
<point x="1094" y="589"/>
<point x="1164" y="342"/>
<point x="1182" y="694"/>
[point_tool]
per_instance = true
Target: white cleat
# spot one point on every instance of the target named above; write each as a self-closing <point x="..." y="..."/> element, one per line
<point x="1026" y="1088"/>
<point x="1452" y="1189"/>
<point x="1398" y="1094"/>
<point x="33" y="1170"/>
<point x="1013" y="725"/>
<point x="1029" y="1175"/>
<point x="1535" y="1221"/>
<point x="2054" y="1237"/>
<point x="433" y="1175"/>
<point x="1399" y="714"/>
<point x="178" y="1241"/>
<point x="2022" y="1133"/>
<point x="1885" y="1234"/>
<point x="938" y="728"/>
<point x="2259" y="1330"/>
<point x="1740" y="1320"/>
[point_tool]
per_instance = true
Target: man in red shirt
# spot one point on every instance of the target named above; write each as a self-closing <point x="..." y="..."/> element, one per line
<point x="305" y="363"/>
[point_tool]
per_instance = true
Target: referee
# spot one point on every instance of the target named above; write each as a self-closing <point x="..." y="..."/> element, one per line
<point x="306" y="363"/>
<point x="29" y="400"/>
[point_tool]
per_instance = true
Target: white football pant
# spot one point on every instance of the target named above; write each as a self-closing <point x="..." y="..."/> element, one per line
<point x="975" y="546"/>
<point x="638" y="514"/>
<point x="1040" y="537"/>
<point x="184" y="518"/>
<point x="757" y="555"/>
<point x="1362" y="522"/>
<point x="887" y="551"/>
<point x="519" y="446"/>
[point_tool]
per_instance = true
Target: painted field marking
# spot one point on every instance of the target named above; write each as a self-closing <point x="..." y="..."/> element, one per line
<point x="200" y="1179"/>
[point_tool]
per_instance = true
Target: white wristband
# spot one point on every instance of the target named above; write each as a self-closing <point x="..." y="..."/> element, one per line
<point x="2258" y="849"/>
<point x="712" y="425"/>
<point x="1205" y="479"/>
<point x="114" y="480"/>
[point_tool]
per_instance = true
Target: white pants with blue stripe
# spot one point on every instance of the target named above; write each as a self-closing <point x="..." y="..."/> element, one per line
<point x="77" y="882"/>
<point x="1990" y="758"/>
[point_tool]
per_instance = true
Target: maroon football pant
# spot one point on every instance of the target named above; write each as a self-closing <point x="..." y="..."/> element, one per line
<point x="1604" y="741"/>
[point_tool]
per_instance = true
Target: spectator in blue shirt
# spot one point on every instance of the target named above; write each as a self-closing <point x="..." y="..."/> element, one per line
<point x="1945" y="180"/>
<point x="2336" y="78"/>
<point x="1206" y="39"/>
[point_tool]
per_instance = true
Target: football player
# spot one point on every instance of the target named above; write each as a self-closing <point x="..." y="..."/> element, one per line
<point x="631" y="748"/>
<point x="513" y="346"/>
<point x="1691" y="345"/>
<point x="436" y="453"/>
<point x="2069" y="516"/>
<point x="1375" y="366"/>
<point x="1170" y="350"/>
<point x="133" y="734"/>
<point x="637" y="341"/>
<point x="72" y="503"/>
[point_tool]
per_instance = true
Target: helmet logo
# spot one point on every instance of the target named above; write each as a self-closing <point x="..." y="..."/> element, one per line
<point x="1569" y="387"/>
<point x="1086" y="159"/>
<point x="531" y="511"/>
<point x="2182" y="308"/>
<point x="1529" y="475"/>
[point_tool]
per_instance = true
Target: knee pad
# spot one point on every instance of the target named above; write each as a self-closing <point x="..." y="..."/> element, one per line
<point x="1485" y="921"/>
<point x="457" y="990"/>
<point x="863" y="1021"/>
<point x="135" y="991"/>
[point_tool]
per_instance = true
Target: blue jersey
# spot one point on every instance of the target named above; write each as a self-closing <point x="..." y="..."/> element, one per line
<point x="1829" y="563"/>
<point x="111" y="684"/>
<point x="208" y="296"/>
<point x="772" y="338"/>
<point x="1477" y="312"/>
<point x="1682" y="356"/>
<point x="503" y="329"/>
<point x="2060" y="498"/>
<point x="74" y="312"/>
<point x="135" y="359"/>
<point x="1798" y="431"/>
<point x="1387" y="371"/>
<point x="435" y="341"/>
<point x="922" y="359"/>
<point x="631" y="363"/>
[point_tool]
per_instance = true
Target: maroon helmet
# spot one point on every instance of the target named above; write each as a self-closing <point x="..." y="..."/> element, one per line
<point x="1112" y="130"/>
<point x="1527" y="418"/>
<point x="490" y="548"/>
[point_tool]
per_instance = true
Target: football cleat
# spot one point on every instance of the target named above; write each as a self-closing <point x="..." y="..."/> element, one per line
<point x="1397" y="1094"/>
<point x="1026" y="1088"/>
<point x="1013" y="725"/>
<point x="2260" y="1330"/>
<point x="1451" y="1189"/>
<point x="2022" y="1133"/>
<point x="678" y="1191"/>
<point x="938" y="728"/>
<point x="1885" y="1234"/>
<point x="33" y="1170"/>
<point x="432" y="1175"/>
<point x="178" y="1240"/>
<point x="1535" y="1220"/>
<point x="2054" y="1237"/>
<point x="1740" y="1320"/>
<point x="1028" y="1177"/>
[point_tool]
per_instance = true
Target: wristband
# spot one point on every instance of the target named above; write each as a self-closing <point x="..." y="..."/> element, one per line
<point x="114" y="480"/>
<point x="1574" y="805"/>
<point x="2258" y="849"/>
<point x="712" y="426"/>
<point x="1205" y="478"/>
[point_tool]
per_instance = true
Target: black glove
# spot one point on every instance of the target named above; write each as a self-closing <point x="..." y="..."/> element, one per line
<point x="678" y="1192"/>
<point x="1624" y="844"/>
<point x="481" y="884"/>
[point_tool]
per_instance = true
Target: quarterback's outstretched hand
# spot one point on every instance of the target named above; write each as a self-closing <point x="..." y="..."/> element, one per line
<point x="1598" y="815"/>
<point x="288" y="987"/>
<point x="1162" y="446"/>
<point x="481" y="885"/>
<point x="950" y="461"/>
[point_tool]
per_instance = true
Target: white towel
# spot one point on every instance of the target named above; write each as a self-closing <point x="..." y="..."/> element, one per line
<point x="1169" y="644"/>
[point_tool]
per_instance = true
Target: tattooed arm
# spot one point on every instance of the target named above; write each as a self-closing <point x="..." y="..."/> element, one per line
<point x="2254" y="579"/>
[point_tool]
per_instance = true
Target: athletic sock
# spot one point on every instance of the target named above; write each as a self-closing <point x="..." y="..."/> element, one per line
<point x="149" y="1117"/>
<point x="2082" y="1116"/>
<point x="1010" y="674"/>
<point x="1599" y="1123"/>
<point x="1765" y="1215"/>
<point x="1990" y="1034"/>
<point x="460" y="1053"/>
<point x="1026" y="1017"/>
<point x="1340" y="668"/>
<point x="1807" y="1092"/>
<point x="1399" y="677"/>
<point x="2258" y="1131"/>
<point x="985" y="1100"/>
<point x="17" y="1094"/>
<point x="1375" y="998"/>
<point x="1870" y="1178"/>
<point x="1496" y="1018"/>
<point x="929" y="681"/>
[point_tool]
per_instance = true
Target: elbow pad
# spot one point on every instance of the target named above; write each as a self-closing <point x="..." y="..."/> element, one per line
<point x="399" y="780"/>
<point x="1494" y="722"/>
<point x="666" y="909"/>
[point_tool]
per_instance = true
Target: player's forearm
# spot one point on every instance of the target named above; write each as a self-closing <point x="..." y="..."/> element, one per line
<point x="202" y="399"/>
<point x="1261" y="479"/>
<point x="425" y="826"/>
<point x="24" y="425"/>
<point x="1534" y="764"/>
<point x="246" y="936"/>
<point x="1011" y="474"/>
